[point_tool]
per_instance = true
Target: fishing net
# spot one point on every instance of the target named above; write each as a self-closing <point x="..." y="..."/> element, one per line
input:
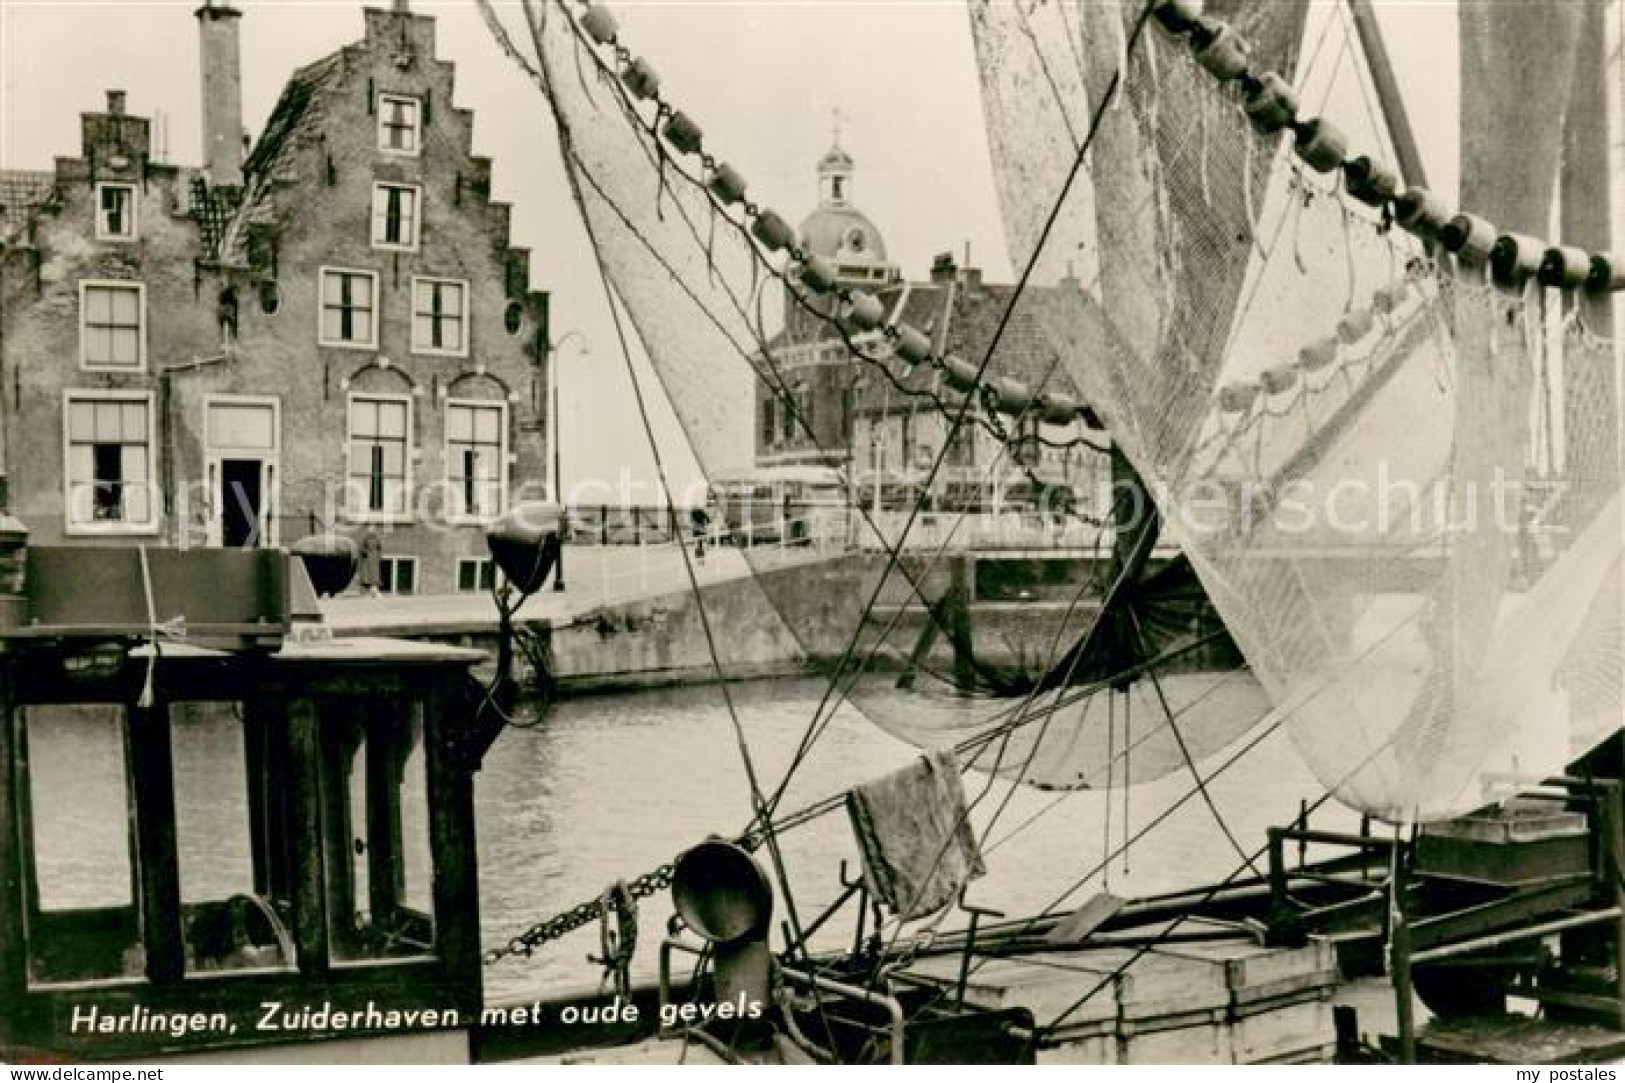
<point x="1409" y="528"/>
<point x="1367" y="463"/>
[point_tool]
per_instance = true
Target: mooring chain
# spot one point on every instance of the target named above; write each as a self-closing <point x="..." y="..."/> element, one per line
<point x="579" y="916"/>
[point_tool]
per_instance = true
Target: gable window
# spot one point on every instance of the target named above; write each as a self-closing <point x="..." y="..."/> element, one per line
<point x="379" y="451"/>
<point x="439" y="316"/>
<point x="348" y="308"/>
<point x="399" y="124"/>
<point x="475" y="574"/>
<point x="395" y="216"/>
<point x="115" y="212"/>
<point x="476" y="456"/>
<point x="112" y="334"/>
<point x="769" y="421"/>
<point x="108" y="470"/>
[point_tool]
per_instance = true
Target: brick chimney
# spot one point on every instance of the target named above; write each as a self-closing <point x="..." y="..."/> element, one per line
<point x="114" y="139"/>
<point x="220" y="58"/>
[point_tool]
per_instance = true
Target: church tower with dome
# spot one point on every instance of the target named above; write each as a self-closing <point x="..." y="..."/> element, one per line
<point x="822" y="409"/>
<point x="841" y="233"/>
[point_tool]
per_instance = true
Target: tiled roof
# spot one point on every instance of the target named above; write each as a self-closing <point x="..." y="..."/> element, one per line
<point x="22" y="191"/>
<point x="297" y="113"/>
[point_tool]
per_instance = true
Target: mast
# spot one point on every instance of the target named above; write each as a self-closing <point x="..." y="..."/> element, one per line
<point x="1389" y="99"/>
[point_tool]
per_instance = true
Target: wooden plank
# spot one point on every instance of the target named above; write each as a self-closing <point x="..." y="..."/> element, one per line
<point x="1086" y="919"/>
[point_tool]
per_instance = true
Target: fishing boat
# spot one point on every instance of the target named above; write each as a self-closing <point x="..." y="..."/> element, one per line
<point x="1382" y="433"/>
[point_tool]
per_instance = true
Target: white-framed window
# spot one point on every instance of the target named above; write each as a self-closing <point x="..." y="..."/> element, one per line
<point x="395" y="215"/>
<point x="397" y="575"/>
<point x="380" y="457"/>
<point x="113" y="326"/>
<point x="108" y="454"/>
<point x="349" y="310"/>
<point x="475" y="574"/>
<point x="400" y="124"/>
<point x="440" y="316"/>
<point x="115" y="212"/>
<point x="476" y="458"/>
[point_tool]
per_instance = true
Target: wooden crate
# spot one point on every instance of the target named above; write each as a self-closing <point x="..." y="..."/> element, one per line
<point x="1283" y="1029"/>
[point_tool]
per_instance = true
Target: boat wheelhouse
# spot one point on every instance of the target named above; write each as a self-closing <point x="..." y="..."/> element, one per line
<point x="154" y="905"/>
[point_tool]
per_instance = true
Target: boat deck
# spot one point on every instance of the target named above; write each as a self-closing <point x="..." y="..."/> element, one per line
<point x="1223" y="1001"/>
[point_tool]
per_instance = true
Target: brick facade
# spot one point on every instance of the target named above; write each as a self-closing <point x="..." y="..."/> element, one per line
<point x="269" y="395"/>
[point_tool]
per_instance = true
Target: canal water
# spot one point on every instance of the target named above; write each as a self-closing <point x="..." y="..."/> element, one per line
<point x="610" y="788"/>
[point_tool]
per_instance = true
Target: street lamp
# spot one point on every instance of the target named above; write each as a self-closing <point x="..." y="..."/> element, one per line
<point x="556" y="424"/>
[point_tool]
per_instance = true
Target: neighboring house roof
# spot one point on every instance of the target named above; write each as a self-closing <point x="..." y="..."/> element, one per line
<point x="22" y="192"/>
<point x="296" y="115"/>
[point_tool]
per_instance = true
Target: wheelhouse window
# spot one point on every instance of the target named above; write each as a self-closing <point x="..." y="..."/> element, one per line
<point x="375" y="827"/>
<point x="234" y="915"/>
<point x="439" y="316"/>
<point x="476" y="454"/>
<point x="82" y="914"/>
<point x="349" y="308"/>
<point x="109" y="453"/>
<point x="379" y="471"/>
<point x="115" y="212"/>
<point x="112" y="331"/>
<point x="399" y="124"/>
<point x="395" y="216"/>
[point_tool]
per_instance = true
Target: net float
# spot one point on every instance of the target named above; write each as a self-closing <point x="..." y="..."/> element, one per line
<point x="1177" y="16"/>
<point x="773" y="231"/>
<point x="1389" y="298"/>
<point x="1237" y="397"/>
<point x="1320" y="354"/>
<point x="1421" y="213"/>
<point x="817" y="274"/>
<point x="913" y="345"/>
<point x="1607" y="273"/>
<point x="1370" y="181"/>
<point x="1279" y="379"/>
<point x="1515" y="258"/>
<point x="1565" y="267"/>
<point x="726" y="184"/>
<point x="1272" y="105"/>
<point x="599" y="23"/>
<point x="865" y="310"/>
<point x="682" y="133"/>
<point x="1470" y="238"/>
<point x="1355" y="325"/>
<point x="1224" y="52"/>
<point x="1012" y="396"/>
<point x="1058" y="408"/>
<point x="961" y="374"/>
<point x="1322" y="145"/>
<point x="640" y="79"/>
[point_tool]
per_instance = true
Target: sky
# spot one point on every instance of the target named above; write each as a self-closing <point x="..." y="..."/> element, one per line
<point x="762" y="77"/>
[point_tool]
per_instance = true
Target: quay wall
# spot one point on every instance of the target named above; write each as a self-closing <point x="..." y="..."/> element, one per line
<point x="1024" y="618"/>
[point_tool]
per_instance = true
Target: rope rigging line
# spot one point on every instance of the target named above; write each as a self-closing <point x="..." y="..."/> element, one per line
<point x="776" y="378"/>
<point x="741" y="741"/>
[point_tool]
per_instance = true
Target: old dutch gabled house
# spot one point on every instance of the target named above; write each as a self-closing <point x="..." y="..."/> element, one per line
<point x="329" y="331"/>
